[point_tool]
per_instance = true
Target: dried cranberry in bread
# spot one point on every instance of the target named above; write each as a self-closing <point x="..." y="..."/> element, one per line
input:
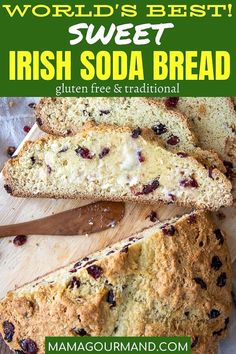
<point x="112" y="163"/>
<point x="65" y="116"/>
<point x="173" y="279"/>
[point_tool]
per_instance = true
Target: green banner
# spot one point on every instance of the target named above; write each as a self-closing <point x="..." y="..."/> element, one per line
<point x="121" y="345"/>
<point x="117" y="48"/>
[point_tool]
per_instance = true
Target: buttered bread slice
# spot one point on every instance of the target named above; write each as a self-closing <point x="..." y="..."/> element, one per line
<point x="66" y="116"/>
<point x="112" y="163"/>
<point x="173" y="279"/>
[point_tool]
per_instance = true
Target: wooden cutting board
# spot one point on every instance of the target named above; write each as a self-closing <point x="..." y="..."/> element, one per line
<point x="43" y="254"/>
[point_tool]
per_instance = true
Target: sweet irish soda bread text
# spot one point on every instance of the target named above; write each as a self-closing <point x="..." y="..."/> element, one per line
<point x="113" y="163"/>
<point x="173" y="279"/>
<point x="66" y="116"/>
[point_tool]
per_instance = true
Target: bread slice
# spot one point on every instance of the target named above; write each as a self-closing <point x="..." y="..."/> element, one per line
<point x="214" y="123"/>
<point x="66" y="116"/>
<point x="173" y="279"/>
<point x="113" y="163"/>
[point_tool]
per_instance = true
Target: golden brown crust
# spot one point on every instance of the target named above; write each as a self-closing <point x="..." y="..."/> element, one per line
<point x="162" y="285"/>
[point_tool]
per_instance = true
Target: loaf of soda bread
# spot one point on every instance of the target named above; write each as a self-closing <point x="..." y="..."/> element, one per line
<point x="173" y="279"/>
<point x="66" y="116"/>
<point x="114" y="163"/>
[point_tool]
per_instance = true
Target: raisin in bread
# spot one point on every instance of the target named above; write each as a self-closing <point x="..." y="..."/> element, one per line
<point x="214" y="123"/>
<point x="173" y="279"/>
<point x="114" y="163"/>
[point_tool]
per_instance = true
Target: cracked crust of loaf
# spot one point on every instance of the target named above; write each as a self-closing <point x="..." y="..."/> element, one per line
<point x="148" y="135"/>
<point x="153" y="287"/>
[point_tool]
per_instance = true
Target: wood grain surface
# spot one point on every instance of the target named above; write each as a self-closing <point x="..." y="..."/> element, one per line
<point x="43" y="254"/>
